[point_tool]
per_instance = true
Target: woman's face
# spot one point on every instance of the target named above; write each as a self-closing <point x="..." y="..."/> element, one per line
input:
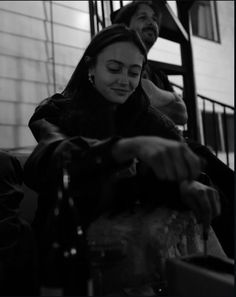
<point x="117" y="71"/>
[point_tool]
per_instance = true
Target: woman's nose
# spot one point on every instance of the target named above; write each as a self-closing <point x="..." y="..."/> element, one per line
<point x="123" y="79"/>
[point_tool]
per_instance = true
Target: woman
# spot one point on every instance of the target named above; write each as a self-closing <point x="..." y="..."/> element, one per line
<point x="107" y="101"/>
<point x="120" y="149"/>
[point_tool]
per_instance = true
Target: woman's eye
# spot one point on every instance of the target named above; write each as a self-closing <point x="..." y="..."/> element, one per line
<point x="142" y="17"/>
<point x="114" y="69"/>
<point x="134" y="74"/>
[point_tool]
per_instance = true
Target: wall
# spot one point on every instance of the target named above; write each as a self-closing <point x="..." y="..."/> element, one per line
<point x="214" y="73"/>
<point x="213" y="62"/>
<point x="26" y="72"/>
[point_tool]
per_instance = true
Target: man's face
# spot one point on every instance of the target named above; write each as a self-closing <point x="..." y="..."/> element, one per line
<point x="145" y="22"/>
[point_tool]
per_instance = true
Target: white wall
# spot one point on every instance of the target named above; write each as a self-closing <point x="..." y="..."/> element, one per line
<point x="26" y="72"/>
<point x="214" y="62"/>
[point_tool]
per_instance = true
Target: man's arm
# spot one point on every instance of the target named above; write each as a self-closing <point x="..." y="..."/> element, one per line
<point x="170" y="103"/>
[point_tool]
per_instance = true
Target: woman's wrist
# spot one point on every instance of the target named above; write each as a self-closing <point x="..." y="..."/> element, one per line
<point x="124" y="150"/>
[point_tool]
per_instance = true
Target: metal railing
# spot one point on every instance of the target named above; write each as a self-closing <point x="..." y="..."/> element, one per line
<point x="221" y="129"/>
<point x="98" y="10"/>
<point x="216" y="126"/>
<point x="214" y="123"/>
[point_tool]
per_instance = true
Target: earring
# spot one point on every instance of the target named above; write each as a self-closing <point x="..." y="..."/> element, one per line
<point x="91" y="78"/>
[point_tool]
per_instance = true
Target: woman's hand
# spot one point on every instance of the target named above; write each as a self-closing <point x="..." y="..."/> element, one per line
<point x="203" y="200"/>
<point x="170" y="160"/>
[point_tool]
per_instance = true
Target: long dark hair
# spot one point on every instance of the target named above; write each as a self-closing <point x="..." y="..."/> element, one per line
<point x="124" y="14"/>
<point x="109" y="35"/>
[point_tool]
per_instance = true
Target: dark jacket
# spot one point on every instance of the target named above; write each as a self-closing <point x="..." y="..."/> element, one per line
<point x="11" y="194"/>
<point x="219" y="173"/>
<point x="87" y="129"/>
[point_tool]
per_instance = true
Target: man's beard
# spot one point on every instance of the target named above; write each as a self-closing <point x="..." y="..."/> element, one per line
<point x="149" y="40"/>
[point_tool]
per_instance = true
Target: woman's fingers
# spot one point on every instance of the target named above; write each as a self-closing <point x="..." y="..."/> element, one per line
<point x="191" y="161"/>
<point x="169" y="159"/>
<point x="205" y="210"/>
<point x="209" y="205"/>
<point x="214" y="200"/>
<point x="163" y="166"/>
<point x="181" y="164"/>
<point x="203" y="200"/>
<point x="176" y="163"/>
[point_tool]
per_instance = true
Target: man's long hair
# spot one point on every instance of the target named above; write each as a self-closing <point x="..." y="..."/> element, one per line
<point x="124" y="14"/>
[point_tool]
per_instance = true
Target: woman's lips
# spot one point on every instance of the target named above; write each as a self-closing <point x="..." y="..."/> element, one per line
<point x="121" y="92"/>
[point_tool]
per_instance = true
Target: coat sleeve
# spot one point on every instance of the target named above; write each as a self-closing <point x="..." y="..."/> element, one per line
<point x="88" y="159"/>
<point x="45" y="121"/>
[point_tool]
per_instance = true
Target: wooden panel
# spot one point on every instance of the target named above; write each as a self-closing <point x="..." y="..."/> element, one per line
<point x="7" y="137"/>
<point x="25" y="137"/>
<point x="24" y="47"/>
<point x="63" y="73"/>
<point x="17" y="47"/>
<point x="9" y="89"/>
<point x="23" y="26"/>
<point x="25" y="113"/>
<point x="214" y="61"/>
<point x="23" y="91"/>
<point x="65" y="55"/>
<point x="70" y="17"/>
<point x="78" y="5"/>
<point x="71" y="37"/>
<point x="30" y="8"/>
<point x="8" y="113"/>
<point x="61" y="10"/>
<point x="15" y="113"/>
<point x="15" y="136"/>
<point x="28" y="70"/>
<point x="35" y="28"/>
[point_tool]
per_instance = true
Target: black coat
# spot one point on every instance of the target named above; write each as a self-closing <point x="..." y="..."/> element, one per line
<point x="87" y="128"/>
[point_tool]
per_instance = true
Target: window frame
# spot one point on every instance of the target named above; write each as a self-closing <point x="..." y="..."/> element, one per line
<point x="215" y="22"/>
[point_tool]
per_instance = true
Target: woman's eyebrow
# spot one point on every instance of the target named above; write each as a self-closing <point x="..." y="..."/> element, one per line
<point x="121" y="63"/>
<point x="143" y="13"/>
